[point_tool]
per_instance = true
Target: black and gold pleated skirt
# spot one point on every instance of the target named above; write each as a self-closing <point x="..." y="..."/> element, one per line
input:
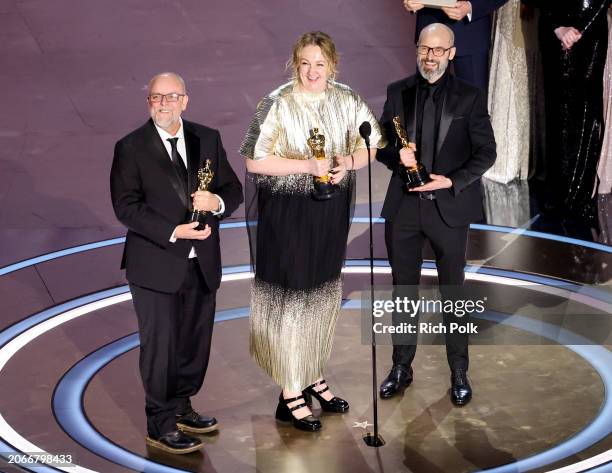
<point x="297" y="289"/>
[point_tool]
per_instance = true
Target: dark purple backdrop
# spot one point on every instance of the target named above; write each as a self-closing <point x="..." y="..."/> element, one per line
<point x="73" y="80"/>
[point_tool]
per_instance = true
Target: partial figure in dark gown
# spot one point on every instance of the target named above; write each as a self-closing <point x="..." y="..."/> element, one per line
<point x="574" y="38"/>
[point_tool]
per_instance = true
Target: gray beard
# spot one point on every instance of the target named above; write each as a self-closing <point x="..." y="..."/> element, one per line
<point x="432" y="76"/>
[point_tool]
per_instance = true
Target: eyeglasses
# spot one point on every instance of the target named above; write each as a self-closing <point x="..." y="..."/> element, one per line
<point x="437" y="51"/>
<point x="156" y="98"/>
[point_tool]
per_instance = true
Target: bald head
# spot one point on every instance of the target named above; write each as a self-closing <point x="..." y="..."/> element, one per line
<point x="169" y="77"/>
<point x="167" y="100"/>
<point x="439" y="33"/>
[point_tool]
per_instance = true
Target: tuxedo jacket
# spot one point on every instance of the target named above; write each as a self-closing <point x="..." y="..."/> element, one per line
<point x="150" y="199"/>
<point x="465" y="148"/>
<point x="470" y="36"/>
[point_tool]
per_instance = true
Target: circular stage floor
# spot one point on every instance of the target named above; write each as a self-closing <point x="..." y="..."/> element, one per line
<point x="70" y="383"/>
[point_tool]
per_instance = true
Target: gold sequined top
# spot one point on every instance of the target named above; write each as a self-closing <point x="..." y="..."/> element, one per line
<point x="284" y="118"/>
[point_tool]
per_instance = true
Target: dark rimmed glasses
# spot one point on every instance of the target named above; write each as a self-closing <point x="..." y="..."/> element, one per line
<point x="437" y="51"/>
<point x="156" y="98"/>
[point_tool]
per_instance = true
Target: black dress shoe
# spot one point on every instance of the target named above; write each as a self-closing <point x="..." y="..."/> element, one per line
<point x="399" y="379"/>
<point x="175" y="442"/>
<point x="335" y="404"/>
<point x="284" y="413"/>
<point x="196" y="423"/>
<point x="461" y="391"/>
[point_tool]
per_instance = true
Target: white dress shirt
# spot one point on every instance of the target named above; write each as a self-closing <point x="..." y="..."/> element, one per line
<point x="182" y="150"/>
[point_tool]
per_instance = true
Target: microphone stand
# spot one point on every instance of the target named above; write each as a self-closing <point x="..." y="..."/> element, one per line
<point x="372" y="439"/>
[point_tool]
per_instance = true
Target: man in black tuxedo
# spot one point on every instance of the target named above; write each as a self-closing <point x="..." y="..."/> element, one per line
<point x="471" y="22"/>
<point x="448" y="119"/>
<point x="173" y="267"/>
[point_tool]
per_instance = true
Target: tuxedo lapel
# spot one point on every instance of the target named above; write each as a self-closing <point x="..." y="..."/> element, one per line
<point x="160" y="155"/>
<point x="409" y="109"/>
<point x="192" y="143"/>
<point x="449" y="106"/>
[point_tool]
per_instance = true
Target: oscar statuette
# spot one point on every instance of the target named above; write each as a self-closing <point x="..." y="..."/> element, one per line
<point x="205" y="175"/>
<point x="323" y="187"/>
<point x="414" y="176"/>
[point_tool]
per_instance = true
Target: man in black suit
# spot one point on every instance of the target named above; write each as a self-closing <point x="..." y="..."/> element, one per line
<point x="471" y="22"/>
<point x="448" y="119"/>
<point x="173" y="267"/>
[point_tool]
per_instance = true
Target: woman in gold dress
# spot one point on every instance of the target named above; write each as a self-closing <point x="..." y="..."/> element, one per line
<point x="298" y="243"/>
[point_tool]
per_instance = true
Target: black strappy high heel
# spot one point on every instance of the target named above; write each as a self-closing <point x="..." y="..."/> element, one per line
<point x="284" y="413"/>
<point x="335" y="404"/>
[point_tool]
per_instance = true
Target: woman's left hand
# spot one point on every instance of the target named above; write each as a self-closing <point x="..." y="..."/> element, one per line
<point x="338" y="173"/>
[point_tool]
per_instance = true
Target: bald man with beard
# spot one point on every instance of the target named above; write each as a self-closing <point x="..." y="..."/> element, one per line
<point x="448" y="123"/>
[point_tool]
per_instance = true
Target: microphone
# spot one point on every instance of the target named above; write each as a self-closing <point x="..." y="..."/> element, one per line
<point x="364" y="130"/>
<point x="371" y="440"/>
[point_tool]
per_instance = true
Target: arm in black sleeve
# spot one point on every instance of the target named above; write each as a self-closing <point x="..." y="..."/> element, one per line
<point x="481" y="8"/>
<point x="389" y="155"/>
<point x="482" y="141"/>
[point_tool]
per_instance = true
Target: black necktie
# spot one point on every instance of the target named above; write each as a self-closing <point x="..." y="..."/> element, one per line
<point x="428" y="132"/>
<point x="179" y="164"/>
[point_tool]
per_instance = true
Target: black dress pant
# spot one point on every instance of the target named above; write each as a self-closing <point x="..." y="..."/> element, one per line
<point x="416" y="220"/>
<point x="175" y="335"/>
